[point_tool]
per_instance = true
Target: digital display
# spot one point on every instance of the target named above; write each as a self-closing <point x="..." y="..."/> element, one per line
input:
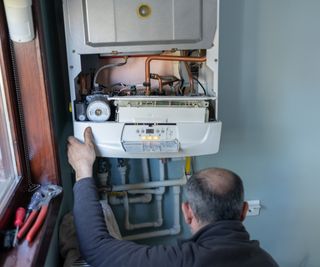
<point x="149" y="131"/>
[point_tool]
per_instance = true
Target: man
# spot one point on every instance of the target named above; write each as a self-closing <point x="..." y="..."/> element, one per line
<point x="214" y="212"/>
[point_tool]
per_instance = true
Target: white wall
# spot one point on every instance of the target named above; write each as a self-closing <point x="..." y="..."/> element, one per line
<point x="269" y="92"/>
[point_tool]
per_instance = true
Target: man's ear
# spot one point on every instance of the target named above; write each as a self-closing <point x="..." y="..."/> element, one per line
<point x="244" y="211"/>
<point x="187" y="212"/>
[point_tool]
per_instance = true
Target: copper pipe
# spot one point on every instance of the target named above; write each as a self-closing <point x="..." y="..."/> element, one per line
<point x="166" y="58"/>
<point x="163" y="80"/>
<point x="82" y="84"/>
<point x="157" y="77"/>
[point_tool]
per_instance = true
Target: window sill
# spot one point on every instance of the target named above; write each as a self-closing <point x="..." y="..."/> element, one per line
<point x="34" y="254"/>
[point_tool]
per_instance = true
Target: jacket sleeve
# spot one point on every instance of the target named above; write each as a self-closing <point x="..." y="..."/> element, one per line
<point x="99" y="248"/>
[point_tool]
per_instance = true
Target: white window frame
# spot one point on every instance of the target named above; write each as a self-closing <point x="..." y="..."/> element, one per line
<point x="7" y="186"/>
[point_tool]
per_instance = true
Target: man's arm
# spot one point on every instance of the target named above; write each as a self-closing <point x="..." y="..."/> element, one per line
<point x="101" y="249"/>
<point x="96" y="245"/>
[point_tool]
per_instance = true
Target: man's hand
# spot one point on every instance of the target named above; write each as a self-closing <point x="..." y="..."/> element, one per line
<point x="81" y="156"/>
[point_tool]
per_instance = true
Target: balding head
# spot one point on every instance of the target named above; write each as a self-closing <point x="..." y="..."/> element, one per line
<point x="218" y="180"/>
<point x="215" y="194"/>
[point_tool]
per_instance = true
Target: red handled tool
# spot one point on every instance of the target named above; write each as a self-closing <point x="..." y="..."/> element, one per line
<point x="27" y="224"/>
<point x="36" y="218"/>
<point x="40" y="219"/>
<point x="18" y="222"/>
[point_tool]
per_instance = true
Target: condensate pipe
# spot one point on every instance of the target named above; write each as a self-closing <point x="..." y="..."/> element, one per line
<point x="123" y="173"/>
<point x="166" y="58"/>
<point x="145" y="170"/>
<point x="159" y="221"/>
<point x="154" y="184"/>
<point x="174" y="230"/>
<point x="156" y="191"/>
<point x="146" y="197"/>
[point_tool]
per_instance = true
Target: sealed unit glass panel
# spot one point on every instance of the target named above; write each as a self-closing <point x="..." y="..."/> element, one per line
<point x="8" y="171"/>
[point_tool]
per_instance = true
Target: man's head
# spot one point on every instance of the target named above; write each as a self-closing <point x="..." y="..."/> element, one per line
<point x="213" y="195"/>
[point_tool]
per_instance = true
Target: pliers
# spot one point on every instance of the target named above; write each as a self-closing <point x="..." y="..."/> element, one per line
<point x="41" y="202"/>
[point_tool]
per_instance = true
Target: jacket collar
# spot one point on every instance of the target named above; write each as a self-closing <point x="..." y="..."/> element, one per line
<point x="228" y="229"/>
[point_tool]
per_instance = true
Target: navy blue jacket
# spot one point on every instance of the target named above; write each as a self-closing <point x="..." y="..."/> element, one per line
<point x="224" y="243"/>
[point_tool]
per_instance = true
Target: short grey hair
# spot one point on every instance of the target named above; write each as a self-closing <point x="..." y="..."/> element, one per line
<point x="210" y="203"/>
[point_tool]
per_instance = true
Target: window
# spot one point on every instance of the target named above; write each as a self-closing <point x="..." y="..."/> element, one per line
<point x="8" y="168"/>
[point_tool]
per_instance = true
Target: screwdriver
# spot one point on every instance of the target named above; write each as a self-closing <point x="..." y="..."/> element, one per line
<point x="18" y="222"/>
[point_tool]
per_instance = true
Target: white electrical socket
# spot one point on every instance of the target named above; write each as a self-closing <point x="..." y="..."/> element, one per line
<point x="254" y="207"/>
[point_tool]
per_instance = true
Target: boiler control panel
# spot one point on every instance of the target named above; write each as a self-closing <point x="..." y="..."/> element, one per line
<point x="150" y="138"/>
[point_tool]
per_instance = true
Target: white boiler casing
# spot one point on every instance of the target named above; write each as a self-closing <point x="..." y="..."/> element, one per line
<point x="117" y="28"/>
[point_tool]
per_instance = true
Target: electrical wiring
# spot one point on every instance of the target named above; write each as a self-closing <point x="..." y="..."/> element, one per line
<point x="204" y="90"/>
<point x="128" y="89"/>
<point x="112" y="65"/>
<point x="118" y="84"/>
